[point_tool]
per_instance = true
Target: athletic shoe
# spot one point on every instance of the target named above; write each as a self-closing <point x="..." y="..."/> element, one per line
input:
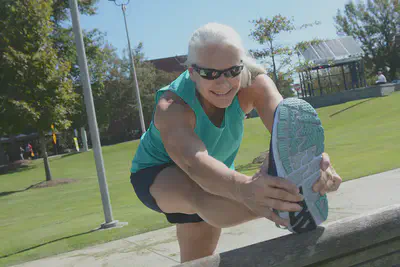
<point x="297" y="144"/>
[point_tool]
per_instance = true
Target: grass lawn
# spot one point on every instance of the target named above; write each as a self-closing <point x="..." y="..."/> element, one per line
<point x="362" y="138"/>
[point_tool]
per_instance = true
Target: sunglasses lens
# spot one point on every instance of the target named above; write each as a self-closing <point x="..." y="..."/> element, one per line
<point x="209" y="74"/>
<point x="214" y="74"/>
<point x="235" y="71"/>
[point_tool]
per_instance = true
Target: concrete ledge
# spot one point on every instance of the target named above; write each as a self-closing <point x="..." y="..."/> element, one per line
<point x="371" y="239"/>
<point x="350" y="95"/>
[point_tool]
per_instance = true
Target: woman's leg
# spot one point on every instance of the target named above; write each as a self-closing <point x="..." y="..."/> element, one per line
<point x="175" y="192"/>
<point x="197" y="240"/>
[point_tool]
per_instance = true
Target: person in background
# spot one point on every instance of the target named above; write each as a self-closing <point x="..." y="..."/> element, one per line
<point x="21" y="153"/>
<point x="381" y="78"/>
<point x="30" y="151"/>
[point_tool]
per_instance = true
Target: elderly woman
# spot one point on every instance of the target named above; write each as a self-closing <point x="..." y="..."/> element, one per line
<point x="184" y="165"/>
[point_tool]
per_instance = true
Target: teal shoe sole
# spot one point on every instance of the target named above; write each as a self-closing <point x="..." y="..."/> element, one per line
<point x="297" y="147"/>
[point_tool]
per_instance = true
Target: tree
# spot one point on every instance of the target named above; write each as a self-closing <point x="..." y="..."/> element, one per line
<point x="35" y="90"/>
<point x="61" y="10"/>
<point x="99" y="57"/>
<point x="98" y="52"/>
<point x="266" y="32"/>
<point x="113" y="90"/>
<point x="374" y="24"/>
<point x="285" y="81"/>
<point x="119" y="105"/>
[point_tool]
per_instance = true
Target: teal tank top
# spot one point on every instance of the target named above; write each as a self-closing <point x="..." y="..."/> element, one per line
<point x="222" y="142"/>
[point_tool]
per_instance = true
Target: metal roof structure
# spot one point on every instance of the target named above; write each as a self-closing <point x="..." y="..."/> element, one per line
<point x="340" y="50"/>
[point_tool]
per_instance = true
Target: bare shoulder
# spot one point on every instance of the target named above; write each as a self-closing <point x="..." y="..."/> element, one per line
<point x="261" y="92"/>
<point x="175" y="121"/>
<point x="172" y="113"/>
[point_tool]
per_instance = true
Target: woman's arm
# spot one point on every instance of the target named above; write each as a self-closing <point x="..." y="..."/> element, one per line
<point x="176" y="122"/>
<point x="264" y="97"/>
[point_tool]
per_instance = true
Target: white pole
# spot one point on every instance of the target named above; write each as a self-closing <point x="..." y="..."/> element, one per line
<point x="94" y="132"/>
<point x="84" y="139"/>
<point x="133" y="74"/>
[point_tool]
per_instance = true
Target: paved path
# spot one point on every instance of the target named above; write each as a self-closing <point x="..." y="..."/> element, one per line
<point x="160" y="248"/>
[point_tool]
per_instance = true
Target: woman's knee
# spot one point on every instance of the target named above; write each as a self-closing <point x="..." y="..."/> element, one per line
<point x="174" y="191"/>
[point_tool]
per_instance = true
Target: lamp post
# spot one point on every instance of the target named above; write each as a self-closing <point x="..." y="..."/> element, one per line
<point x="80" y="47"/>
<point x="133" y="71"/>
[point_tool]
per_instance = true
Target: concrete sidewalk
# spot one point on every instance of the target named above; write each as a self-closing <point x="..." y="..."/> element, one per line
<point x="160" y="248"/>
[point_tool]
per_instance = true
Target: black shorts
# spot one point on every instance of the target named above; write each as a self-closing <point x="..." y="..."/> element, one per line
<point x="141" y="182"/>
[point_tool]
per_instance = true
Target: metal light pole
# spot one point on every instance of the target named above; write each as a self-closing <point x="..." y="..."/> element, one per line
<point x="133" y="71"/>
<point x="94" y="131"/>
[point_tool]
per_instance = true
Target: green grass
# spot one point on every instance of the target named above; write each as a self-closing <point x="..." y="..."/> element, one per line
<point x="362" y="140"/>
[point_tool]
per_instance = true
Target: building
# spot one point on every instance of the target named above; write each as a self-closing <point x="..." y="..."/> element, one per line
<point x="333" y="65"/>
<point x="170" y="64"/>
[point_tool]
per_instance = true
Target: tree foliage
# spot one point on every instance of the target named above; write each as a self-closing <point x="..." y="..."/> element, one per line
<point x="279" y="56"/>
<point x="119" y="103"/>
<point x="61" y="10"/>
<point x="98" y="52"/>
<point x="40" y="76"/>
<point x="35" y="90"/>
<point x="374" y="24"/>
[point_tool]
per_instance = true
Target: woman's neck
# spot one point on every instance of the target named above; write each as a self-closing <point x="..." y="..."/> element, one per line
<point x="214" y="114"/>
<point x="207" y="106"/>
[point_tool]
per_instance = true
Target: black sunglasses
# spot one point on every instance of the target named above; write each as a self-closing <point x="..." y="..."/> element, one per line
<point x="212" y="74"/>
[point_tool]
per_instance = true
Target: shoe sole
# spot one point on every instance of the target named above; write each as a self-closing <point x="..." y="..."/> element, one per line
<point x="297" y="147"/>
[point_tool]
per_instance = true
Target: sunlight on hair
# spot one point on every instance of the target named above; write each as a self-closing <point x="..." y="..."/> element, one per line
<point x="216" y="33"/>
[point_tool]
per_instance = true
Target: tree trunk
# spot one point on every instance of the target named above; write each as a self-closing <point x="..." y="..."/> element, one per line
<point x="275" y="74"/>
<point x="45" y="158"/>
<point x="2" y="155"/>
<point x="274" y="65"/>
<point x="393" y="68"/>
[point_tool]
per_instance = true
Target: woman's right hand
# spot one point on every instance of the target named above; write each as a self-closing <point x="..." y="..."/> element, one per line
<point x="263" y="193"/>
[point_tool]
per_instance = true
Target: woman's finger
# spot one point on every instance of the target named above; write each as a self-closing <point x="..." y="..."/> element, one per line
<point x="321" y="182"/>
<point x="325" y="162"/>
<point x="282" y="205"/>
<point x="276" y="219"/>
<point x="284" y="195"/>
<point x="283" y="184"/>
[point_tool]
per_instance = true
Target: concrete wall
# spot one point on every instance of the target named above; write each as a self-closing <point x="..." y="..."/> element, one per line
<point x="371" y="239"/>
<point x="351" y="95"/>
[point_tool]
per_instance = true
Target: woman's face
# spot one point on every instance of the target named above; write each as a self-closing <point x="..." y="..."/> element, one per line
<point x="218" y="92"/>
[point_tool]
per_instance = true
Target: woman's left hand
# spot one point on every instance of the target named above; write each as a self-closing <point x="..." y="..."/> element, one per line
<point x="329" y="180"/>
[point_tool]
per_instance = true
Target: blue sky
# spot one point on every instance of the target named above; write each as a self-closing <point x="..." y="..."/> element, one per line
<point x="165" y="26"/>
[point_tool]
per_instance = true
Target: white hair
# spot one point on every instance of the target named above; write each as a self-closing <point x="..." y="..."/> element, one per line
<point x="215" y="33"/>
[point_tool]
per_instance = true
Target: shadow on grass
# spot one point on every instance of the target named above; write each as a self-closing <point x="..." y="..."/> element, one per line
<point x="352" y="106"/>
<point x="49" y="242"/>
<point x="3" y="194"/>
<point x="63" y="156"/>
<point x="13" y="168"/>
<point x="71" y="154"/>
